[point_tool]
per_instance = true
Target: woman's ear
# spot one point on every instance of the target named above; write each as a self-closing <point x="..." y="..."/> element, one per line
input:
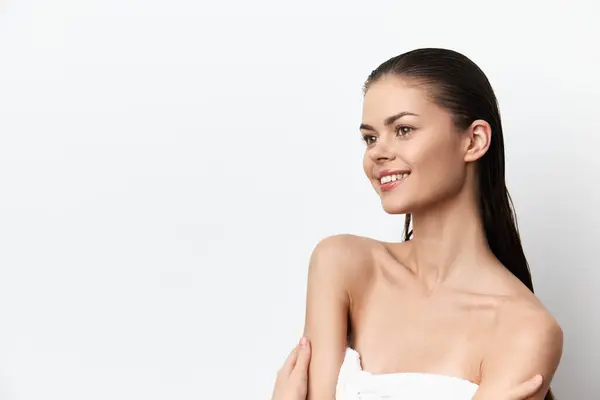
<point x="479" y="136"/>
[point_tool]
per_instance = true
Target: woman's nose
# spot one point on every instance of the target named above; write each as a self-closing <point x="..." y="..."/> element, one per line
<point x="382" y="152"/>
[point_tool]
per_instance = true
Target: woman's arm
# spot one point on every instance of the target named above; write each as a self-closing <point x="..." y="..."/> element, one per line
<point x="532" y="345"/>
<point x="327" y="306"/>
<point x="292" y="379"/>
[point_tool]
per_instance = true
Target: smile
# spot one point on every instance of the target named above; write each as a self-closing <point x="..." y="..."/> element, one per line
<point x="390" y="180"/>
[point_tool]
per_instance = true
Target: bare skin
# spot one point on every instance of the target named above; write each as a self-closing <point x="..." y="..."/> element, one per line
<point x="292" y="379"/>
<point x="440" y="303"/>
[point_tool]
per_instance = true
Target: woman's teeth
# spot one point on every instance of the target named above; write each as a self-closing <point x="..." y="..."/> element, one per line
<point x="392" y="178"/>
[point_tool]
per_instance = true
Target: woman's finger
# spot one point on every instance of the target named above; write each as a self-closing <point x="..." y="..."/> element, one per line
<point x="303" y="360"/>
<point x="526" y="389"/>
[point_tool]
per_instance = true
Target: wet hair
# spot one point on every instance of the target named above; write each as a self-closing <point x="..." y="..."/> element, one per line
<point x="457" y="84"/>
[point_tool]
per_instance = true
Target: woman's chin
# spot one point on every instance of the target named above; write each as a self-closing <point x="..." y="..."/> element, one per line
<point x="394" y="208"/>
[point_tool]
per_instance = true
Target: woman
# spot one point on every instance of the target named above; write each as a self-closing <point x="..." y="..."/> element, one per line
<point x="449" y="311"/>
<point x="292" y="379"/>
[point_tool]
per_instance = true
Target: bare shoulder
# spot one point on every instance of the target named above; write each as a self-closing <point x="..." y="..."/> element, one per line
<point x="523" y="317"/>
<point x="344" y="255"/>
<point x="526" y="335"/>
<point x="335" y="265"/>
<point x="524" y="321"/>
<point x="520" y="313"/>
<point x="341" y="244"/>
<point x="527" y="341"/>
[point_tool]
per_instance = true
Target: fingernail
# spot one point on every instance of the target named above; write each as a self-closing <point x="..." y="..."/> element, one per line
<point x="303" y="342"/>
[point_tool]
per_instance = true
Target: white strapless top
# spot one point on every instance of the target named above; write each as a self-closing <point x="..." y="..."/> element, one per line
<point x="356" y="384"/>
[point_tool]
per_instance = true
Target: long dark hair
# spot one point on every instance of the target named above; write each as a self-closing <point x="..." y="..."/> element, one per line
<point x="457" y="84"/>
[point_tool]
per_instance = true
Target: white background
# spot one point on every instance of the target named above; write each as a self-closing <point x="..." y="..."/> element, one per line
<point x="166" y="168"/>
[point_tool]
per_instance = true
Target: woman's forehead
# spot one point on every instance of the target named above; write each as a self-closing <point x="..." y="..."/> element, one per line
<point x="390" y="96"/>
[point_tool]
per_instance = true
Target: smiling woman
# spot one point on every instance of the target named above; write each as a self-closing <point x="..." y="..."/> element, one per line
<point x="449" y="310"/>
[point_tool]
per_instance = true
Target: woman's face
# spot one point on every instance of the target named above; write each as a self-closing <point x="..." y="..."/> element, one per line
<point x="414" y="155"/>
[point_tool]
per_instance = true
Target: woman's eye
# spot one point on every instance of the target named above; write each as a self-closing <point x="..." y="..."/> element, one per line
<point x="403" y="130"/>
<point x="369" y="139"/>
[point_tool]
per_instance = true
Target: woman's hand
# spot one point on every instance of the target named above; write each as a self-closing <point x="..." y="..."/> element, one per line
<point x="292" y="379"/>
<point x="526" y="389"/>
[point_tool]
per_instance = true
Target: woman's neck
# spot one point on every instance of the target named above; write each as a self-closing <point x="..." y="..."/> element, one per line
<point x="447" y="238"/>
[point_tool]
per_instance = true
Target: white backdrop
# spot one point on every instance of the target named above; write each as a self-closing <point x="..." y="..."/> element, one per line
<point x="166" y="168"/>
